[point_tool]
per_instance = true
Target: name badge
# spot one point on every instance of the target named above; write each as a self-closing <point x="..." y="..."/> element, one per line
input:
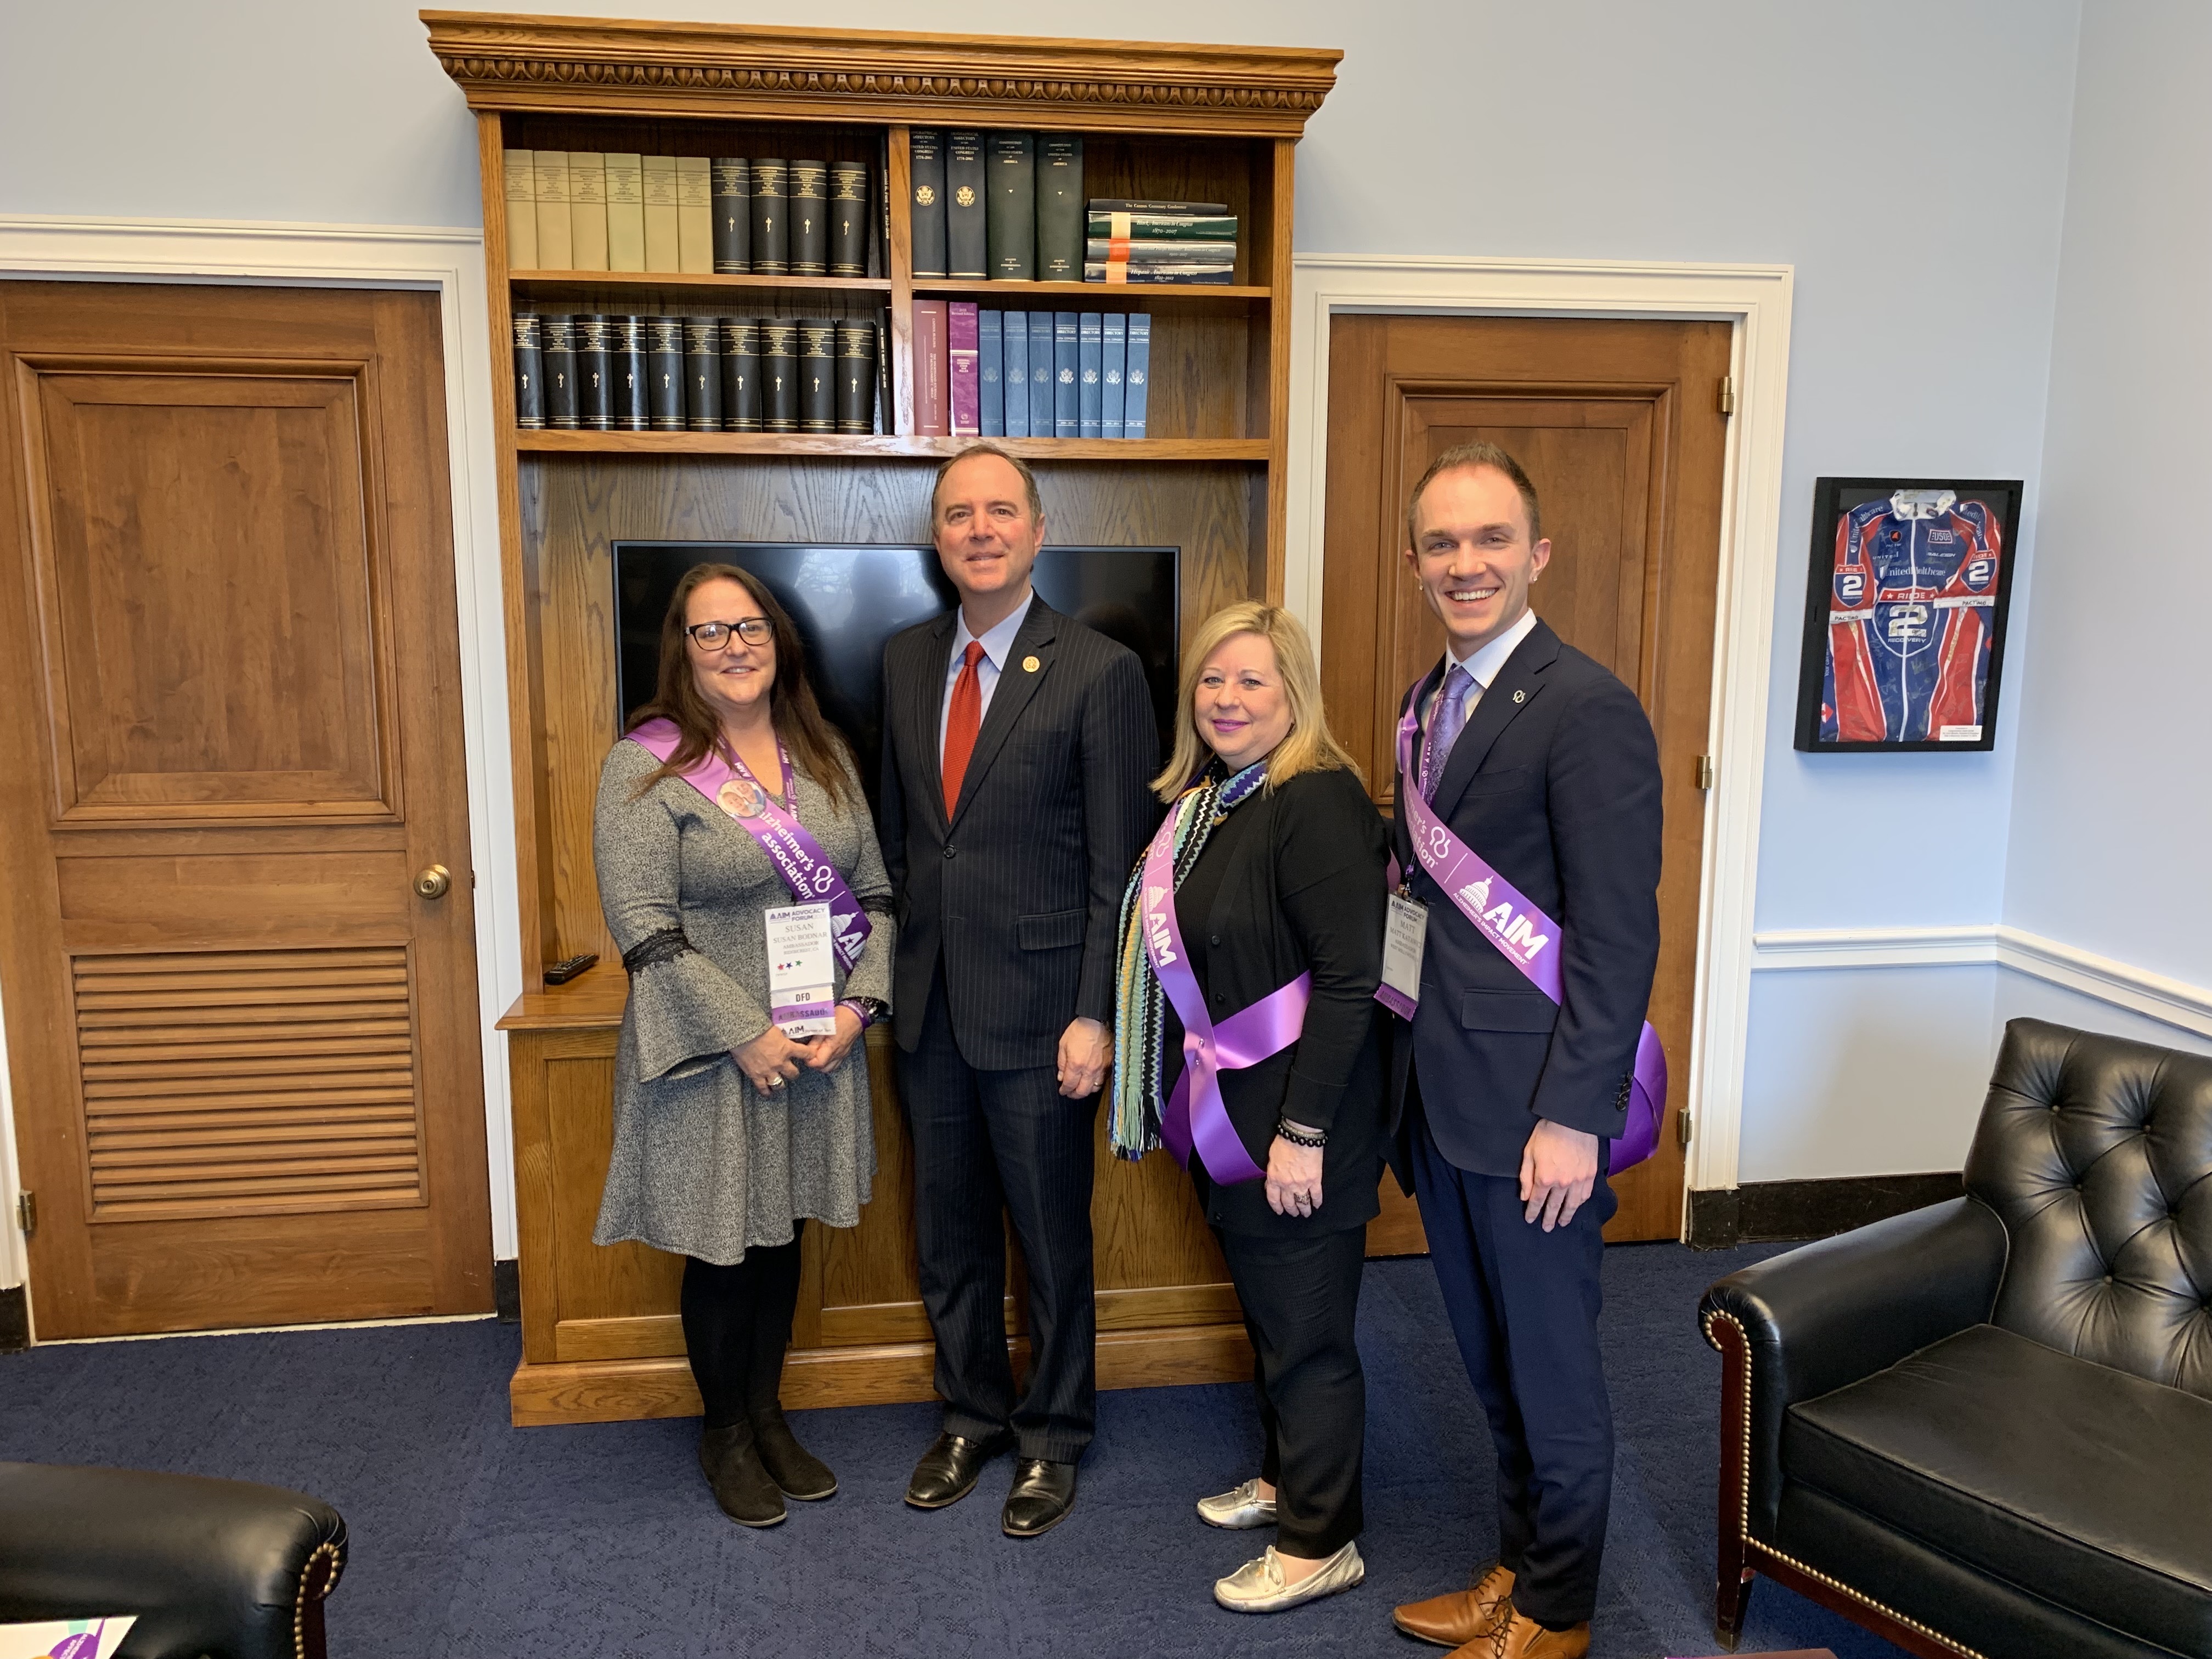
<point x="800" y="977"/>
<point x="1405" y="936"/>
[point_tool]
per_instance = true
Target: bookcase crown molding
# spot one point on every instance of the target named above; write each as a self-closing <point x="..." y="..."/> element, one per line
<point x="504" y="61"/>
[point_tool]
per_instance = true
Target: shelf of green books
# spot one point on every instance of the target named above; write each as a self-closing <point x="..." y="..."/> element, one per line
<point x="552" y="442"/>
<point x="1088" y="296"/>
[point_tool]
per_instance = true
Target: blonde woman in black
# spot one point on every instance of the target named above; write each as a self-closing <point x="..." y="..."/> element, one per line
<point x="1258" y="913"/>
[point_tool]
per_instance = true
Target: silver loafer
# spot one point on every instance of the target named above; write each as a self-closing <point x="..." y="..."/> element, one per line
<point x="1239" y="1510"/>
<point x="1258" y="1586"/>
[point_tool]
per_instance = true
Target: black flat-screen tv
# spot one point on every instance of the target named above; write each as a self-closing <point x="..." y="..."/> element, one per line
<point x="846" y="601"/>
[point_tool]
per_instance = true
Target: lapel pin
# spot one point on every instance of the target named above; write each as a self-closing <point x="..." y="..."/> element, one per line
<point x="1520" y="697"/>
<point x="1031" y="664"/>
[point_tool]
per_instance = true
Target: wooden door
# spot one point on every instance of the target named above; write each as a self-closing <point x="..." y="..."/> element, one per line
<point x="1618" y="425"/>
<point x="245" y="1048"/>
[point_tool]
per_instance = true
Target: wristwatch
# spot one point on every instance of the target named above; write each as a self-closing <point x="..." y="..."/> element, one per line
<point x="868" y="1008"/>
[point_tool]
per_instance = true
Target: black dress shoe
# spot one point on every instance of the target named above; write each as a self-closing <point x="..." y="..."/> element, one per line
<point x="949" y="1469"/>
<point x="743" y="1486"/>
<point x="1044" y="1493"/>
<point x="793" y="1469"/>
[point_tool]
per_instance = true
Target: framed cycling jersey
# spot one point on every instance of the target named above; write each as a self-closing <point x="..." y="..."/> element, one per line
<point x="1904" y="614"/>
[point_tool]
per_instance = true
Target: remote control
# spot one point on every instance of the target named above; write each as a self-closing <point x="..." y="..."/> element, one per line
<point x="560" y="972"/>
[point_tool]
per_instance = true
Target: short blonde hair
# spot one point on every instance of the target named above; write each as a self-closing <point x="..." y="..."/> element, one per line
<point x="1309" y="748"/>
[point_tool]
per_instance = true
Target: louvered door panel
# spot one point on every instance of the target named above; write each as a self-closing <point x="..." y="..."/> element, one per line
<point x="219" y="1083"/>
<point x="244" y="1043"/>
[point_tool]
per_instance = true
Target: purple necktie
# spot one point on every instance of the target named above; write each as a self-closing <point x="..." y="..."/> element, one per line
<point x="1444" y="728"/>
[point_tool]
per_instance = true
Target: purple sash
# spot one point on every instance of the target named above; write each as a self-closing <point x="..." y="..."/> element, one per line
<point x="790" y="844"/>
<point x="1522" y="933"/>
<point x="1194" y="1117"/>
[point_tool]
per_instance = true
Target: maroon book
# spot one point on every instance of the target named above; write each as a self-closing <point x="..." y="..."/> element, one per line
<point x="964" y="354"/>
<point x="931" y="407"/>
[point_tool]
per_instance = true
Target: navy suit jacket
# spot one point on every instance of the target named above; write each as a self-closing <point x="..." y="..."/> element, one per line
<point x="1017" y="884"/>
<point x="1555" y="782"/>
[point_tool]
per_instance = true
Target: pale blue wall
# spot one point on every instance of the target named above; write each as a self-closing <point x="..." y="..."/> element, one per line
<point x="1855" y="1071"/>
<point x="2111" y="841"/>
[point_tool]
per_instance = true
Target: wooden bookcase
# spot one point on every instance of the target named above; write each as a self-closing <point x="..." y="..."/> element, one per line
<point x="601" y="1336"/>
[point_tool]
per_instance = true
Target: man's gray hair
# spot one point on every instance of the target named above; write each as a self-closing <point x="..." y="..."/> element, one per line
<point x="1028" y="479"/>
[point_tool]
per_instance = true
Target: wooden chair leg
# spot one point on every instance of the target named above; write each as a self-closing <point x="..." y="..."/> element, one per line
<point x="1732" y="1581"/>
<point x="1732" y="1595"/>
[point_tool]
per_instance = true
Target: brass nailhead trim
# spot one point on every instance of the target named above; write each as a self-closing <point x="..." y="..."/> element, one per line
<point x="1743" y="1521"/>
<point x="299" y="1605"/>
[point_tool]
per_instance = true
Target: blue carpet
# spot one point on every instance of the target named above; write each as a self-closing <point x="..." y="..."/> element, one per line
<point x="473" y="1538"/>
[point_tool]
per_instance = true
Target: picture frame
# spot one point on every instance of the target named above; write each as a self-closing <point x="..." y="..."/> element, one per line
<point x="1907" y="595"/>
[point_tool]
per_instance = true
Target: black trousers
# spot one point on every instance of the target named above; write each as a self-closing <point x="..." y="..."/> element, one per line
<point x="1300" y="1297"/>
<point x="737" y="1325"/>
<point x="988" y="1142"/>
<point x="1524" y="1304"/>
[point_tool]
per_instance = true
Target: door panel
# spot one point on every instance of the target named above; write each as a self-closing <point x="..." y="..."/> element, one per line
<point x="245" y="1049"/>
<point x="154" y="622"/>
<point x="1618" y="425"/>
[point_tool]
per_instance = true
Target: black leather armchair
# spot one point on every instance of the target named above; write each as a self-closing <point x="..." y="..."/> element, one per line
<point x="214" y="1568"/>
<point x="1985" y="1428"/>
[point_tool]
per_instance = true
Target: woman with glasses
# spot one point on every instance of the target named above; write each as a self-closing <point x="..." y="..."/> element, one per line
<point x="729" y="809"/>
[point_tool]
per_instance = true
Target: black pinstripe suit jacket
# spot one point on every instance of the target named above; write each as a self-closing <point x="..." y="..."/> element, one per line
<point x="1019" y="883"/>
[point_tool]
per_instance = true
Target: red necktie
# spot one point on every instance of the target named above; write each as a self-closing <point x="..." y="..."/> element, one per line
<point x="962" y="721"/>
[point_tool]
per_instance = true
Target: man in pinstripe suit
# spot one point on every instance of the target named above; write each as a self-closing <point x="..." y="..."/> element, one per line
<point x="1017" y="746"/>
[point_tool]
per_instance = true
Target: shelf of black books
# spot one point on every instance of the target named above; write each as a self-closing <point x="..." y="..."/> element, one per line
<point x="566" y="284"/>
<point x="553" y="441"/>
<point x="1135" y="296"/>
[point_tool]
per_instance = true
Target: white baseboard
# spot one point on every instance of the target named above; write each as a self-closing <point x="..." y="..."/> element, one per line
<point x="2173" y="1001"/>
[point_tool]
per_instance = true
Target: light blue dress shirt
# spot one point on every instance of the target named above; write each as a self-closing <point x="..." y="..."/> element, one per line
<point x="1482" y="665"/>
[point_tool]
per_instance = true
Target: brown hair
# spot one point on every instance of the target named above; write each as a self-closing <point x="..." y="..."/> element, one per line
<point x="1309" y="746"/>
<point x="1028" y="479"/>
<point x="1477" y="454"/>
<point x="815" y="746"/>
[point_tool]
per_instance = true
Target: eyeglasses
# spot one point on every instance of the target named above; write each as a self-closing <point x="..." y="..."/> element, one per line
<point x="715" y="635"/>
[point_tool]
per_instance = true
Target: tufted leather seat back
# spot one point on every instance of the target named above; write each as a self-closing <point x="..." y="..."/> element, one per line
<point x="2096" y="1153"/>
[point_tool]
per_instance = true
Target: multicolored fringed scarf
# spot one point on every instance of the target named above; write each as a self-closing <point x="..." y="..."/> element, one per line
<point x="1139" y="1004"/>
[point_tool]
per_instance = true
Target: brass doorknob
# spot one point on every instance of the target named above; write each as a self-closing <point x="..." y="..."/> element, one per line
<point x="432" y="882"/>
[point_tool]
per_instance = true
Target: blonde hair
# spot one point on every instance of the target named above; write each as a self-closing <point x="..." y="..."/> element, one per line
<point x="1309" y="748"/>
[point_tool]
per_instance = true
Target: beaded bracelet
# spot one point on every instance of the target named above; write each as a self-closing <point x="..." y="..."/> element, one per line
<point x="1298" y="1137"/>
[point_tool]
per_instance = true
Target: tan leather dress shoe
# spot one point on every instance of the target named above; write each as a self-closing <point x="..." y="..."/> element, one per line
<point x="1522" y="1637"/>
<point x="1462" y="1616"/>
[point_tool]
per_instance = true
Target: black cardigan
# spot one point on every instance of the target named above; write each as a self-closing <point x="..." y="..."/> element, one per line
<point x="1298" y="887"/>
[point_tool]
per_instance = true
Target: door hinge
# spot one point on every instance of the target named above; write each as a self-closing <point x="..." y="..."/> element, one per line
<point x="1682" y="1130"/>
<point x="26" y="1213"/>
<point x="1727" y="394"/>
<point x="1705" y="771"/>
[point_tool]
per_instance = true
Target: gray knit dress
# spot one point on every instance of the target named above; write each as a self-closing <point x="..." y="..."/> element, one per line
<point x="703" y="1164"/>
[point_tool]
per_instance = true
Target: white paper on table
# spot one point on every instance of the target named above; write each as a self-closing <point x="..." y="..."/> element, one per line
<point x="66" y="1638"/>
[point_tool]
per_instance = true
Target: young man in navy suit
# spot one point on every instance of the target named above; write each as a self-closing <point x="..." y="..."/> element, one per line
<point x="1541" y="761"/>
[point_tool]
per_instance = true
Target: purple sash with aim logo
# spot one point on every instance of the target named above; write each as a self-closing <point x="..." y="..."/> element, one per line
<point x="1523" y="935"/>
<point x="1194" y="1118"/>
<point x="790" y="844"/>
